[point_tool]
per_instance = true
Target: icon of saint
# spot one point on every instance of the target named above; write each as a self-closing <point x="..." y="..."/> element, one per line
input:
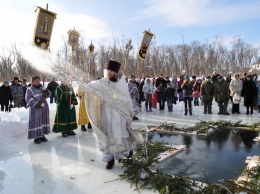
<point x="45" y="28"/>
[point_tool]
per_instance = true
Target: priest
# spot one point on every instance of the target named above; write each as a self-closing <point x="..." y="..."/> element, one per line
<point x="82" y="115"/>
<point x="39" y="121"/>
<point x="65" y="119"/>
<point x="110" y="110"/>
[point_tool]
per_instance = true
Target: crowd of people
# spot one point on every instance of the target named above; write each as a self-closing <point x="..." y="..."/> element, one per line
<point x="155" y="92"/>
<point x="111" y="119"/>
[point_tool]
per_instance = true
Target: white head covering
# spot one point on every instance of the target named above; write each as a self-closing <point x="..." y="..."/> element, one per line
<point x="150" y="85"/>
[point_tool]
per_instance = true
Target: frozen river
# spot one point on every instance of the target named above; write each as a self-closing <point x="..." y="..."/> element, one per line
<point x="73" y="164"/>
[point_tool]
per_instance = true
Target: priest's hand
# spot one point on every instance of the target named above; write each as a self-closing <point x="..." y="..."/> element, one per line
<point x="71" y="106"/>
<point x="38" y="105"/>
<point x="128" y="122"/>
<point x="42" y="105"/>
<point x="70" y="92"/>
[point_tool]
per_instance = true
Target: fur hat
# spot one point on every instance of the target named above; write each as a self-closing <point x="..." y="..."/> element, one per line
<point x="35" y="77"/>
<point x="113" y="66"/>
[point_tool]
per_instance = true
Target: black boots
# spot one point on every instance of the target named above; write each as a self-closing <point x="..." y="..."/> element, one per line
<point x="135" y="118"/>
<point x="258" y="108"/>
<point x="39" y="140"/>
<point x="89" y="126"/>
<point x="44" y="139"/>
<point x="251" y="110"/>
<point x="235" y="109"/>
<point x="71" y="133"/>
<point x="196" y="102"/>
<point x="186" y="111"/>
<point x="131" y="153"/>
<point x="65" y="134"/>
<point x="83" y="128"/>
<point x="110" y="164"/>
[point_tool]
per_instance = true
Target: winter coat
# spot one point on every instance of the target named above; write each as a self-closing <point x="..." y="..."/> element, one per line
<point x="5" y="95"/>
<point x="235" y="85"/>
<point x="255" y="81"/>
<point x="258" y="98"/>
<point x="17" y="91"/>
<point x="214" y="79"/>
<point x="207" y="91"/>
<point x="169" y="93"/>
<point x="148" y="88"/>
<point x="24" y="91"/>
<point x="249" y="91"/>
<point x="197" y="85"/>
<point x="174" y="84"/>
<point x="160" y="91"/>
<point x="187" y="89"/>
<point x="52" y="86"/>
<point x="180" y="85"/>
<point x="221" y="91"/>
<point x="140" y="90"/>
<point x="160" y="80"/>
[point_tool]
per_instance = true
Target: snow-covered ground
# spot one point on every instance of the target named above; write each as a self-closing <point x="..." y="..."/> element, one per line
<point x="73" y="164"/>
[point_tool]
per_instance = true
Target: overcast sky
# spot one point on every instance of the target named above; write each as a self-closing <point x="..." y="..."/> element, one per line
<point x="101" y="20"/>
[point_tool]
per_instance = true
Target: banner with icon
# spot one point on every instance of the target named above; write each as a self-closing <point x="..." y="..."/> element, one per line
<point x="43" y="28"/>
<point x="145" y="44"/>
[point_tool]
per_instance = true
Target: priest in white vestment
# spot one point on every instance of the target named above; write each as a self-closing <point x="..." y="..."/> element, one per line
<point x="110" y="111"/>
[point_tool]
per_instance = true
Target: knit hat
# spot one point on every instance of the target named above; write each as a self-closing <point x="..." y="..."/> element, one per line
<point x="132" y="76"/>
<point x="113" y="66"/>
<point x="6" y="82"/>
<point x="186" y="77"/>
<point x="35" y="77"/>
<point x="220" y="77"/>
<point x="208" y="77"/>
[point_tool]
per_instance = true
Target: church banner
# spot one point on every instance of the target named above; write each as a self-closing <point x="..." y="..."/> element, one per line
<point x="43" y="28"/>
<point x="145" y="44"/>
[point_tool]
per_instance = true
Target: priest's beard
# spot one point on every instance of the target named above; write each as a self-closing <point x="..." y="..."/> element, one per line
<point x="113" y="79"/>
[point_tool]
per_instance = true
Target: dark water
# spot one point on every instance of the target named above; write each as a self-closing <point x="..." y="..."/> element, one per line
<point x="222" y="155"/>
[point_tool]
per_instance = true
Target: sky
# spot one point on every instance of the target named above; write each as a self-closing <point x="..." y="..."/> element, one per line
<point x="172" y="21"/>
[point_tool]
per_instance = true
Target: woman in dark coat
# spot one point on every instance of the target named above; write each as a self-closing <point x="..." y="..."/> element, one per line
<point x="5" y="96"/>
<point x="161" y="96"/>
<point x="249" y="91"/>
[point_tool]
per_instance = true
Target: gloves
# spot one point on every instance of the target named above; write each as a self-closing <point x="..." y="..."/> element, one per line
<point x="128" y="122"/>
<point x="42" y="105"/>
<point x="71" y="106"/>
<point x="38" y="105"/>
<point x="44" y="89"/>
